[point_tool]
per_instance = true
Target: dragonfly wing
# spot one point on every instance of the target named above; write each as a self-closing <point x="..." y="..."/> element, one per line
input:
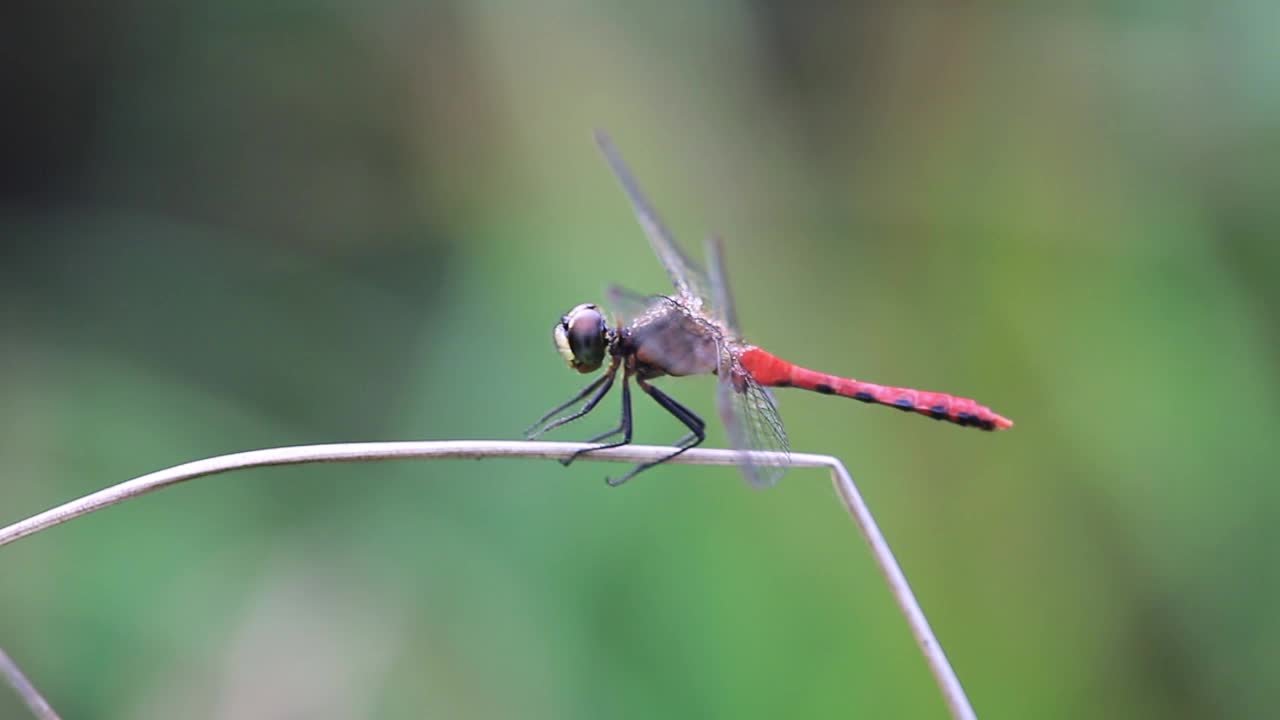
<point x="686" y="276"/>
<point x="721" y="296"/>
<point x="748" y="410"/>
<point x="750" y="416"/>
<point x="629" y="304"/>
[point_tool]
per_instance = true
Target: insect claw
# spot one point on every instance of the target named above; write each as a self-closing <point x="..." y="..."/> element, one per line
<point x="615" y="482"/>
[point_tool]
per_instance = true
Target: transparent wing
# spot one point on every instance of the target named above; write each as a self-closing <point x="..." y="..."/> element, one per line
<point x="628" y="305"/>
<point x="748" y="410"/>
<point x="721" y="296"/>
<point x="750" y="416"/>
<point x="689" y="280"/>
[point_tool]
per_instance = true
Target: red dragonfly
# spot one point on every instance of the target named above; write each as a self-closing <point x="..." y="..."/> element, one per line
<point x="694" y="332"/>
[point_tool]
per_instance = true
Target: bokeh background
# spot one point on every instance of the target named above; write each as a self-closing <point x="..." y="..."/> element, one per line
<point x="226" y="226"/>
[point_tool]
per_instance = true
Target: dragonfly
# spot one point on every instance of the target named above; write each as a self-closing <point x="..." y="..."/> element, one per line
<point x="694" y="331"/>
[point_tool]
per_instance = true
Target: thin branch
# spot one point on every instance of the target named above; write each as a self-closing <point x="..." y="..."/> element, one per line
<point x="32" y="697"/>
<point x="942" y="671"/>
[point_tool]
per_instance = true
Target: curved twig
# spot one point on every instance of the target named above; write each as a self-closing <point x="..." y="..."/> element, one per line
<point x="32" y="697"/>
<point x="942" y="671"/>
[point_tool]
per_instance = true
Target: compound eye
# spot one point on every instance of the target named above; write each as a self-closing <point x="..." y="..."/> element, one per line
<point x="582" y="338"/>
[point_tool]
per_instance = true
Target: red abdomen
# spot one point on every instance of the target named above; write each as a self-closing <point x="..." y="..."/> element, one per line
<point x="773" y="371"/>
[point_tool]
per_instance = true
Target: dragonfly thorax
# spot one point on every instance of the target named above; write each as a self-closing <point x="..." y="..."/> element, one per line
<point x="582" y="337"/>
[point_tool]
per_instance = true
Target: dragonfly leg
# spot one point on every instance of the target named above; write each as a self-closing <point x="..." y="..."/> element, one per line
<point x="689" y="413"/>
<point x="602" y="383"/>
<point x="624" y="426"/>
<point x="695" y="424"/>
<point x="684" y="411"/>
<point x="603" y="435"/>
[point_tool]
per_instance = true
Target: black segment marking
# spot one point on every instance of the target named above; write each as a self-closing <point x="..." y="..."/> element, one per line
<point x="965" y="418"/>
<point x="864" y="397"/>
<point x="782" y="383"/>
<point x="824" y="388"/>
<point x="904" y="404"/>
<point x="939" y="412"/>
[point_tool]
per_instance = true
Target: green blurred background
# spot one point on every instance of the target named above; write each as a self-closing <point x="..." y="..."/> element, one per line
<point x="226" y="226"/>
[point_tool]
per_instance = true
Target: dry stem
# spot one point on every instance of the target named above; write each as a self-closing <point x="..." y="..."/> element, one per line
<point x="942" y="671"/>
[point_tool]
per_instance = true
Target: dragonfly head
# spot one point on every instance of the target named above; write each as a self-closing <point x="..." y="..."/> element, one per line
<point x="582" y="337"/>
